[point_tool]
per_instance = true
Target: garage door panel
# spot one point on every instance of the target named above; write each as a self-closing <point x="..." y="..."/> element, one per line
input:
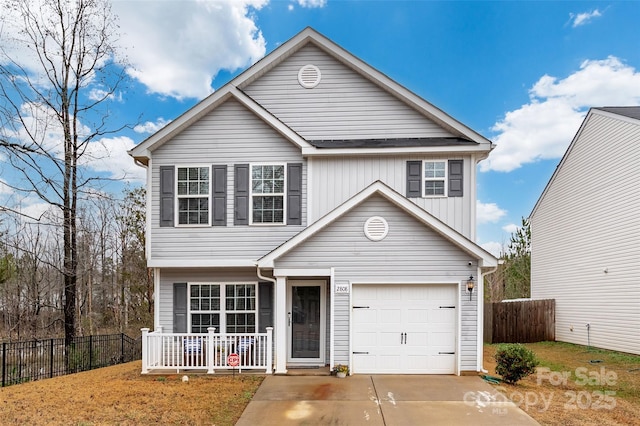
<point x="414" y="311"/>
<point x="417" y="316"/>
<point x="390" y="316"/>
<point x="365" y="339"/>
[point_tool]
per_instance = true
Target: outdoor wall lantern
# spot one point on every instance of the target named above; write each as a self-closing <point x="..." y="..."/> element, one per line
<point x="470" y="285"/>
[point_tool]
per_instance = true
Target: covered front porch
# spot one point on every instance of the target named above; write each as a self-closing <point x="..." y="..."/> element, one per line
<point x="208" y="352"/>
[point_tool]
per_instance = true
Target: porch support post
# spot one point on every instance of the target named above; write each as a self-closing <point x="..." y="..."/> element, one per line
<point x="209" y="353"/>
<point x="281" y="325"/>
<point x="269" y="350"/>
<point x="145" y="350"/>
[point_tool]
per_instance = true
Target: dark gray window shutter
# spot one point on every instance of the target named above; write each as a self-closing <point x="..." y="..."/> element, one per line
<point x="219" y="195"/>
<point x="241" y="196"/>
<point x="265" y="306"/>
<point x="294" y="194"/>
<point x="167" y="202"/>
<point x="455" y="178"/>
<point x="414" y="179"/>
<point x="179" y="307"/>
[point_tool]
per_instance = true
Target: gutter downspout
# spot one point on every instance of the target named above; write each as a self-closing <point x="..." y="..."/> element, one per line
<point x="272" y="280"/>
<point x="481" y="316"/>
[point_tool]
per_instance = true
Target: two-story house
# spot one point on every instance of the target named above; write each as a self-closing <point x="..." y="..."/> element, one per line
<point x="315" y="205"/>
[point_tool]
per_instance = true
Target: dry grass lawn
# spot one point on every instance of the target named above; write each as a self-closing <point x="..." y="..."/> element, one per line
<point x="604" y="392"/>
<point x="120" y="395"/>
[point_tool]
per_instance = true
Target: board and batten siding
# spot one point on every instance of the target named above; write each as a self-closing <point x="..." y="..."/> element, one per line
<point x="410" y="253"/>
<point x="229" y="135"/>
<point x="586" y="238"/>
<point x="345" y="105"/>
<point x="334" y="180"/>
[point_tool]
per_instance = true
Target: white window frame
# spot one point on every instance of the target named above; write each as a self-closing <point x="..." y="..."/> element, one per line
<point x="222" y="328"/>
<point x="434" y="179"/>
<point x="284" y="195"/>
<point x="179" y="197"/>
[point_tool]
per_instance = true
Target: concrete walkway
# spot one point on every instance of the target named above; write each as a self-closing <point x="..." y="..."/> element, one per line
<point x="380" y="400"/>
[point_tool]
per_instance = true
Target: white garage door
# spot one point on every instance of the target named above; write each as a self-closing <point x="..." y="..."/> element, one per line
<point x="407" y="329"/>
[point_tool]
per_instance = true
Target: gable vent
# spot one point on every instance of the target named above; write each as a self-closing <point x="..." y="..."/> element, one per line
<point x="376" y="228"/>
<point x="309" y="76"/>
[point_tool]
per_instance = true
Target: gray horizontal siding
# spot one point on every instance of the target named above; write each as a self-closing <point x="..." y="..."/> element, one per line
<point x="344" y="105"/>
<point x="334" y="180"/>
<point x="341" y="325"/>
<point x="411" y="252"/>
<point x="588" y="221"/>
<point x="229" y="135"/>
<point x="170" y="276"/>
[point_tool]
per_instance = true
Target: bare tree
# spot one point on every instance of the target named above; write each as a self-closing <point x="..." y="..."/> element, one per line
<point x="58" y="72"/>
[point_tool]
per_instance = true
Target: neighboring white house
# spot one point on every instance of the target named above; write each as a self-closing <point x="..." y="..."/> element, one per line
<point x="314" y="203"/>
<point x="585" y="231"/>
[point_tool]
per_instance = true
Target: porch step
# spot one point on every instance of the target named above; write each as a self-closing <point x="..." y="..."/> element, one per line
<point x="321" y="371"/>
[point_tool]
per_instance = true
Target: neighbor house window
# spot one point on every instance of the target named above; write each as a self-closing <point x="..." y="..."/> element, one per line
<point x="227" y="307"/>
<point x="267" y="193"/>
<point x="435" y="178"/>
<point x="193" y="195"/>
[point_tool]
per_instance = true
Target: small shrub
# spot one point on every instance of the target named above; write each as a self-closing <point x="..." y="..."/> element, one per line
<point x="515" y="362"/>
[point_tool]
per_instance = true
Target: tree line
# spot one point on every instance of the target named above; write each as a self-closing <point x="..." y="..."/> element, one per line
<point x="114" y="286"/>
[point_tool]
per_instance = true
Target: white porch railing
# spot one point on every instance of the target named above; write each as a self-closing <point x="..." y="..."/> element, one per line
<point x="191" y="351"/>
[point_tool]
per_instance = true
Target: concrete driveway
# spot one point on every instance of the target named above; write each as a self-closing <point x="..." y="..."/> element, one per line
<point x="380" y="400"/>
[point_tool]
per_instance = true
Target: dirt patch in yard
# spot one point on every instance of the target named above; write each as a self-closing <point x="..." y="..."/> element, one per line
<point x="575" y="385"/>
<point x="120" y="395"/>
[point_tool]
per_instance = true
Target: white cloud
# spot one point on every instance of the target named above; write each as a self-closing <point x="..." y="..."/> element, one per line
<point x="488" y="212"/>
<point x="4" y="189"/>
<point x="96" y="94"/>
<point x="584" y="18"/>
<point x="151" y="127"/>
<point x="312" y="3"/>
<point x="543" y="128"/>
<point x="177" y="48"/>
<point x="493" y="247"/>
<point x="510" y="228"/>
<point x="109" y="155"/>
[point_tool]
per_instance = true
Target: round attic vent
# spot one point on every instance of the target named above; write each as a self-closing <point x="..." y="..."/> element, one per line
<point x="309" y="76"/>
<point x="376" y="228"/>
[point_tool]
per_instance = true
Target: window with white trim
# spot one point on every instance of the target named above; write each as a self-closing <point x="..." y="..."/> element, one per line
<point x="268" y="193"/>
<point x="228" y="307"/>
<point x="193" y="195"/>
<point x="435" y="178"/>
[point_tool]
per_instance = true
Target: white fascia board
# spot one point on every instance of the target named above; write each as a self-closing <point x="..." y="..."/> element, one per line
<point x="270" y="119"/>
<point x="575" y="139"/>
<point x="204" y="263"/>
<point x="287" y="272"/>
<point x="484" y="257"/>
<point x="398" y="90"/>
<point x="183" y="121"/>
<point x="275" y="57"/>
<point x="333" y="152"/>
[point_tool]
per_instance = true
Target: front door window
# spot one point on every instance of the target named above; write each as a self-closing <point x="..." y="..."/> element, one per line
<point x="305" y="321"/>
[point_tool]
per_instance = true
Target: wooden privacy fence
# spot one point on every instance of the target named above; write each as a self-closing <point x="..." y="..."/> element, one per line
<point x="524" y="321"/>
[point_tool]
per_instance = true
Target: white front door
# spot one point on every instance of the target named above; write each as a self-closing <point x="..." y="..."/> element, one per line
<point x="306" y="322"/>
<point x="404" y="329"/>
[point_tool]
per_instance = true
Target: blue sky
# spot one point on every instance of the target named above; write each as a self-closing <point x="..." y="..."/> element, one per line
<point x="523" y="74"/>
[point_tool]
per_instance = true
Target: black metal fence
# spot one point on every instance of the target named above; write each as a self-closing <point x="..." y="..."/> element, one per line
<point x="42" y="359"/>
